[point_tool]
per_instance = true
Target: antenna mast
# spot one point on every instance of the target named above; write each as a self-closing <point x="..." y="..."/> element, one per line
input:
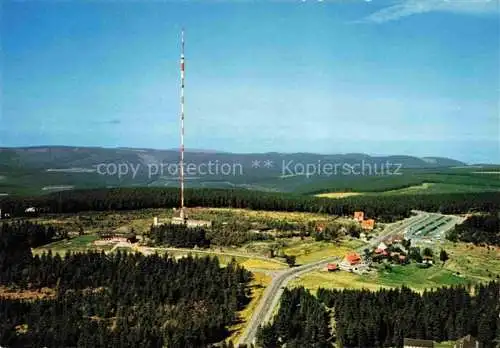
<point x="182" y="213"/>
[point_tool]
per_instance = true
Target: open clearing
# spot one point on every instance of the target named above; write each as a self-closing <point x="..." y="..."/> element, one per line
<point x="426" y="187"/>
<point x="261" y="264"/>
<point x="17" y="294"/>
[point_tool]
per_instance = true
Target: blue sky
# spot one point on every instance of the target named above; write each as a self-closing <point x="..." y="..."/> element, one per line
<point x="416" y="77"/>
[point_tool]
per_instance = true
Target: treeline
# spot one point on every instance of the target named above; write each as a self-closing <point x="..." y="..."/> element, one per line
<point x="116" y="300"/>
<point x="362" y="318"/>
<point x="383" y="208"/>
<point x="478" y="229"/>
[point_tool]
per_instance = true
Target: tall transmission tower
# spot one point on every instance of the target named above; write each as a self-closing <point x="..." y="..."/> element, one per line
<point x="182" y="212"/>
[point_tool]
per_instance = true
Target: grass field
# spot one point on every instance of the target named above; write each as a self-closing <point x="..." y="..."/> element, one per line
<point x="473" y="264"/>
<point x="24" y="294"/>
<point x="430" y="188"/>
<point x="424" y="188"/>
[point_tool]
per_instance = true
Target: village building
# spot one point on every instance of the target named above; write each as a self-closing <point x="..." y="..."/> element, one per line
<point x="124" y="234"/>
<point x="417" y="343"/>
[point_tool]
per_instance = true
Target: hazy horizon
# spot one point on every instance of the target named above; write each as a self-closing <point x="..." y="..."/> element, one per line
<point x="187" y="149"/>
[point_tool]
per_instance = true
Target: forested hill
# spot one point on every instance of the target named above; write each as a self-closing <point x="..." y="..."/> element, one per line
<point x="363" y="318"/>
<point x="114" y="300"/>
<point x="383" y="208"/>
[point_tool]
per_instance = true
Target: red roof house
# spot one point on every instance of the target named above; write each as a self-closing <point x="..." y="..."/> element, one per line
<point x="359" y="216"/>
<point x="332" y="267"/>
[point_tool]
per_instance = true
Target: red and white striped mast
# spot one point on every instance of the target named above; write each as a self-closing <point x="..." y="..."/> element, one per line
<point x="182" y="213"/>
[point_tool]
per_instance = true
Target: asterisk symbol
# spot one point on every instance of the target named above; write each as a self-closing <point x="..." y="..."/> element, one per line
<point x="268" y="163"/>
<point x="255" y="164"/>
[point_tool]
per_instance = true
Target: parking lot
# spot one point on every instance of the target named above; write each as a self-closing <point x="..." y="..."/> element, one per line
<point x="431" y="227"/>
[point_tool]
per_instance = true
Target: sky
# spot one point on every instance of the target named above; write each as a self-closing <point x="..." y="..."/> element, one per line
<point x="406" y="77"/>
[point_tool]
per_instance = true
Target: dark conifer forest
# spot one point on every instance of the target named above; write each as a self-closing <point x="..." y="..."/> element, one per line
<point x="383" y="208"/>
<point x="115" y="300"/>
<point x="365" y="319"/>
